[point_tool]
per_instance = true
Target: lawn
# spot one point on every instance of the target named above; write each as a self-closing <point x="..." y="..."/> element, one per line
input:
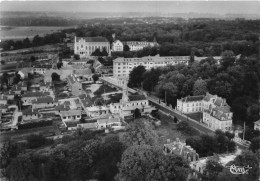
<point x="168" y="129"/>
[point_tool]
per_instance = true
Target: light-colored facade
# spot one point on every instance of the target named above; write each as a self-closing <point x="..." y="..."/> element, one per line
<point x="257" y="125"/>
<point x="190" y="104"/>
<point x="123" y="66"/>
<point x="139" y="45"/>
<point x="108" y="123"/>
<point x="85" y="46"/>
<point x="30" y="96"/>
<point x="96" y="111"/>
<point x="71" y="115"/>
<point x="44" y="102"/>
<point x="216" y="113"/>
<point x="117" y="46"/>
<point x="29" y="115"/>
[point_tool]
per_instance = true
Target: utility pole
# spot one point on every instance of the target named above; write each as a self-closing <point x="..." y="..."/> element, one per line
<point x="165" y="97"/>
<point x="244" y="130"/>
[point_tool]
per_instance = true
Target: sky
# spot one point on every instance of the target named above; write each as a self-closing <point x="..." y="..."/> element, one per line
<point x="216" y="7"/>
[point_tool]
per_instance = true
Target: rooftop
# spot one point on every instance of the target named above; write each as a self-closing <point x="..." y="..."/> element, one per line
<point x="136" y="97"/>
<point x="152" y="59"/>
<point x="107" y="121"/>
<point x="192" y="98"/>
<point x="36" y="94"/>
<point x="92" y="39"/>
<point x="46" y="99"/>
<point x="257" y="122"/>
<point x="71" y="113"/>
<point x="87" y="125"/>
<point x="30" y="111"/>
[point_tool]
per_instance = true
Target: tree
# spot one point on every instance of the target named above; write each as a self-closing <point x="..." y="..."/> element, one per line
<point x="143" y="162"/>
<point x="136" y="76"/>
<point x="139" y="133"/>
<point x="59" y="65"/>
<point x="2" y="62"/>
<point x="97" y="53"/>
<point x="55" y="77"/>
<point x="104" y="52"/>
<point x="95" y="77"/>
<point x="20" y="169"/>
<point x="213" y="168"/>
<point x="255" y="144"/>
<point x="126" y="48"/>
<point x="34" y="141"/>
<point x="32" y="59"/>
<point x="137" y="113"/>
<point x="76" y="57"/>
<point x="200" y="87"/>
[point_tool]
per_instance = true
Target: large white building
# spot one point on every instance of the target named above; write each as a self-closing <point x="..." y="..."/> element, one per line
<point x="85" y="46"/>
<point x="118" y="46"/>
<point x="123" y="66"/>
<point x="216" y="112"/>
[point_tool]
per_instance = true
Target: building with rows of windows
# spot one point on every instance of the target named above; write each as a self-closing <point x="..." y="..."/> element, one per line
<point x="85" y="46"/>
<point x="123" y="66"/>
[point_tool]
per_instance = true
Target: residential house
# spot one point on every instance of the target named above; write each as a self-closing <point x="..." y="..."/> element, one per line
<point x="108" y="123"/>
<point x="16" y="89"/>
<point x="28" y="97"/>
<point x="3" y="99"/>
<point x="190" y="104"/>
<point x="71" y="115"/>
<point x="44" y="102"/>
<point x="257" y="125"/>
<point x="24" y="72"/>
<point x="180" y="148"/>
<point x="41" y="68"/>
<point x="90" y="126"/>
<point x="30" y="115"/>
<point x="10" y="95"/>
<point x="45" y="86"/>
<point x="139" y="45"/>
<point x="76" y="87"/>
<point x="95" y="111"/>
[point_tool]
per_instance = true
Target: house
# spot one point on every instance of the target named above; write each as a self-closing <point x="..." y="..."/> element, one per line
<point x="257" y="125"/>
<point x="76" y="87"/>
<point x="180" y="148"/>
<point x="139" y="45"/>
<point x="30" y="115"/>
<point x="3" y="99"/>
<point x="41" y="68"/>
<point x="45" y="86"/>
<point x="95" y="111"/>
<point x="71" y="115"/>
<point x="24" y="72"/>
<point x="10" y="95"/>
<point x="85" y="46"/>
<point x="44" y="102"/>
<point x="117" y="46"/>
<point x="190" y="104"/>
<point x="108" y="123"/>
<point x="217" y="113"/>
<point x="90" y="126"/>
<point x="217" y="58"/>
<point x="16" y="90"/>
<point x="28" y="97"/>
<point x="24" y="86"/>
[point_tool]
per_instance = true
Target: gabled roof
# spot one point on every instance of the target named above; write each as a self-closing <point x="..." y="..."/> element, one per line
<point x="92" y="39"/>
<point x="30" y="111"/>
<point x="257" y="122"/>
<point x="71" y="113"/>
<point x="43" y="100"/>
<point x="192" y="98"/>
<point x="48" y="66"/>
<point x="36" y="94"/>
<point x="62" y="107"/>
<point x="136" y="97"/>
<point x="208" y="96"/>
<point x="87" y="125"/>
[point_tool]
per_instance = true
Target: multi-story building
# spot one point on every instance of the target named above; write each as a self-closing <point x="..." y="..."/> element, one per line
<point x="85" y="46"/>
<point x="216" y="113"/>
<point x="190" y="104"/>
<point x="123" y="66"/>
<point x="41" y="68"/>
<point x="117" y="46"/>
<point x="139" y="45"/>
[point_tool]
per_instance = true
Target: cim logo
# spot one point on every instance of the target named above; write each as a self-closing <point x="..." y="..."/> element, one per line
<point x="238" y="169"/>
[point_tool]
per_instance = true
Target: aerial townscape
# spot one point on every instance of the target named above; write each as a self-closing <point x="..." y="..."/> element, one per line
<point x="122" y="96"/>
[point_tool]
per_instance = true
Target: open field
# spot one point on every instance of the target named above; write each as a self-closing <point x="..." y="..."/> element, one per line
<point x="22" y="32"/>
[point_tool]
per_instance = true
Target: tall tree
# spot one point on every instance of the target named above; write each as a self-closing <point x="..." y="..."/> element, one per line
<point x="200" y="87"/>
<point x="136" y="76"/>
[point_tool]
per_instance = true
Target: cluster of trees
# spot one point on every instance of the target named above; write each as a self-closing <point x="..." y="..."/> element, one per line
<point x="34" y="125"/>
<point x="236" y="79"/>
<point x="207" y="145"/>
<point x="185" y="128"/>
<point x="100" y="53"/>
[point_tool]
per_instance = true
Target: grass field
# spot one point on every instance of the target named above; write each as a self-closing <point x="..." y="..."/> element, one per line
<point x="21" y="32"/>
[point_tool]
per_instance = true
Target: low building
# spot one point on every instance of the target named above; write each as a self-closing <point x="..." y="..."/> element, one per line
<point x="190" y="104"/>
<point x="180" y="148"/>
<point x="76" y="87"/>
<point x="257" y="125"/>
<point x="3" y="99"/>
<point x="95" y="111"/>
<point x="28" y="97"/>
<point x="45" y="86"/>
<point x="44" y="102"/>
<point x="30" y="115"/>
<point x="117" y="46"/>
<point x="24" y="72"/>
<point x="90" y="126"/>
<point x="41" y="68"/>
<point x="71" y="115"/>
<point x="108" y="123"/>
<point x="217" y="58"/>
